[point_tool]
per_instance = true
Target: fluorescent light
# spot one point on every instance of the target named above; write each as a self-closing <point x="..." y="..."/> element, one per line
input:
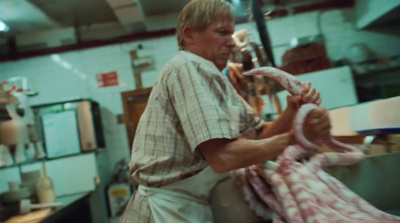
<point x="3" y="27"/>
<point x="235" y="2"/>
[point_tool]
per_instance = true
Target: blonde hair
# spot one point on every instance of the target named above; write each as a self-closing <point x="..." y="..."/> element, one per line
<point x="198" y="14"/>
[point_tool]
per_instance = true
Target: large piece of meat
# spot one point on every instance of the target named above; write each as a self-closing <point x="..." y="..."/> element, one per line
<point x="296" y="188"/>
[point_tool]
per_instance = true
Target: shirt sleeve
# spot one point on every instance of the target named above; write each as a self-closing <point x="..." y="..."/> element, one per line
<point x="198" y="99"/>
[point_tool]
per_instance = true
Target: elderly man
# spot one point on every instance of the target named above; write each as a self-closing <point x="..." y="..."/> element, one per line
<point x="196" y="128"/>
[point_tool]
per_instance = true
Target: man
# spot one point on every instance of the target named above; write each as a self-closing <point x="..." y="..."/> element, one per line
<point x="196" y="128"/>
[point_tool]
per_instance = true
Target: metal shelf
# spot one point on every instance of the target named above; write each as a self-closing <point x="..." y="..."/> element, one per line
<point x="49" y="159"/>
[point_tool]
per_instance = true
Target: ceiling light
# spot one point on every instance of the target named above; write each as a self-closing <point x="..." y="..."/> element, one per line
<point x="235" y="2"/>
<point x="3" y="27"/>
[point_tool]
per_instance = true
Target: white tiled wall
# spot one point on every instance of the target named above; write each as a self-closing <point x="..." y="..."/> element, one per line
<point x="71" y="75"/>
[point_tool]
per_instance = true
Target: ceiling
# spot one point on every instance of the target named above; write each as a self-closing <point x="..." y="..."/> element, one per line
<point x="91" y="19"/>
<point x="97" y="19"/>
<point x="38" y="24"/>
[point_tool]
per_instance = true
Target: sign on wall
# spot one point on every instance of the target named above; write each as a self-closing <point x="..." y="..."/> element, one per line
<point x="107" y="79"/>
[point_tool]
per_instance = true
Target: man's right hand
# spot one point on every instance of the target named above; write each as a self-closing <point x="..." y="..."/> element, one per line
<point x="317" y="125"/>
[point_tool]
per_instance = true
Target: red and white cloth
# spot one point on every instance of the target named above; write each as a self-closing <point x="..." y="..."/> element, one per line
<point x="295" y="187"/>
<point x="298" y="190"/>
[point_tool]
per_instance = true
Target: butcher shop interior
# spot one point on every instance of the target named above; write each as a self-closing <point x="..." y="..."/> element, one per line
<point x="301" y="121"/>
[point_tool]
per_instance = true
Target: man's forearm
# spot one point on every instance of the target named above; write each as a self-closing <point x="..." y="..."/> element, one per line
<point x="225" y="155"/>
<point x="283" y="124"/>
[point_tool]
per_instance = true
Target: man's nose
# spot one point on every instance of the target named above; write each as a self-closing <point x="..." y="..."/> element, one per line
<point x="231" y="42"/>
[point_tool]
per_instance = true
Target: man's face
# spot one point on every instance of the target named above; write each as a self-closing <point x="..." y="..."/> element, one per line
<point x="215" y="43"/>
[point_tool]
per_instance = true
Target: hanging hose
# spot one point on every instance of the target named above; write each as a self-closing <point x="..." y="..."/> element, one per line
<point x="262" y="31"/>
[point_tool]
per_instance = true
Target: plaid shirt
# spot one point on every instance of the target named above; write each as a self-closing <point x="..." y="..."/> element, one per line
<point x="190" y="103"/>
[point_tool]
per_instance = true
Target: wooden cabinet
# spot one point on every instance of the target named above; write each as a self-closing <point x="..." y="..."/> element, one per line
<point x="134" y="103"/>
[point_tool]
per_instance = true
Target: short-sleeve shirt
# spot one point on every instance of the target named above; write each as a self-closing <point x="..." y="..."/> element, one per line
<point x="190" y="103"/>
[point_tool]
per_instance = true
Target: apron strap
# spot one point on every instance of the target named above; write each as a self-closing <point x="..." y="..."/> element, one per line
<point x="199" y="185"/>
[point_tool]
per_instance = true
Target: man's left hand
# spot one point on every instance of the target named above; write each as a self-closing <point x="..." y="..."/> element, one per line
<point x="308" y="95"/>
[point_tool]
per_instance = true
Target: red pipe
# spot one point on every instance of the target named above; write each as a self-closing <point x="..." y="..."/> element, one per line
<point x="311" y="7"/>
<point x="86" y="45"/>
<point x="324" y="5"/>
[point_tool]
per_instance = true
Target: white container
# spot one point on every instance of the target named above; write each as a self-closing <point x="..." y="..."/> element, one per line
<point x="13" y="131"/>
<point x="5" y="156"/>
<point x="45" y="189"/>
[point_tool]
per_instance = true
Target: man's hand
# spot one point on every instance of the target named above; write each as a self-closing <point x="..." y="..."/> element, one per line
<point x="308" y="95"/>
<point x="317" y="125"/>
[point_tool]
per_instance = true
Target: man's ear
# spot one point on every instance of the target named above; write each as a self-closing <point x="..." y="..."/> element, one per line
<point x="188" y="35"/>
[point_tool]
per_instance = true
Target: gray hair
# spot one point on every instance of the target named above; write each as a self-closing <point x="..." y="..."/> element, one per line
<point x="198" y="14"/>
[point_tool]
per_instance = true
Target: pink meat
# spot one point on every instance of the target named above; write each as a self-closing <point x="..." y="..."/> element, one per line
<point x="295" y="187"/>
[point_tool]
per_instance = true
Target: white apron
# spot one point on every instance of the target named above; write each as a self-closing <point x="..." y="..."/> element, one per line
<point x="183" y="201"/>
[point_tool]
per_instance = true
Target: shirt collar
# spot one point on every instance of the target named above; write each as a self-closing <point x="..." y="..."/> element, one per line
<point x="194" y="57"/>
